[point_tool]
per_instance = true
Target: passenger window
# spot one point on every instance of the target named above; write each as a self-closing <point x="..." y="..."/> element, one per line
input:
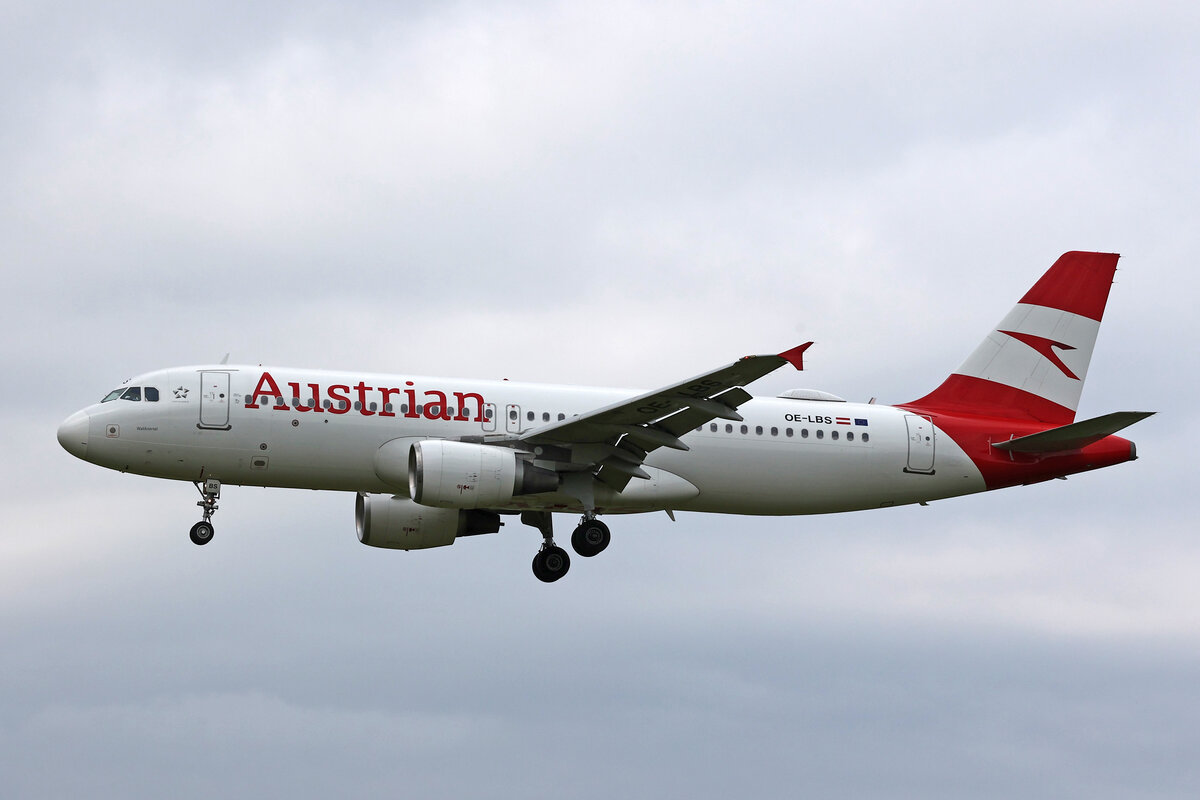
<point x="729" y="429"/>
<point x="804" y="433"/>
<point x="151" y="394"/>
<point x="758" y="429"/>
<point x="132" y="393"/>
<point x="386" y="407"/>
<point x="820" y="434"/>
<point x="713" y="427"/>
<point x="545" y="416"/>
<point x="774" y="431"/>
<point x="487" y="413"/>
<point x="849" y="436"/>
<point x="833" y="435"/>
<point x="561" y="416"/>
<point x="529" y="416"/>
<point x="373" y="407"/>
<point x="866" y="437"/>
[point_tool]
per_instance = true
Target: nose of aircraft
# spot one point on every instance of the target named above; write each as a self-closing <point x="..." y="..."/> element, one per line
<point x="73" y="434"/>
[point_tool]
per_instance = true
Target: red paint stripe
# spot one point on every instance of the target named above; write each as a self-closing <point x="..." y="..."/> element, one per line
<point x="1077" y="283"/>
<point x="963" y="395"/>
<point x="1000" y="468"/>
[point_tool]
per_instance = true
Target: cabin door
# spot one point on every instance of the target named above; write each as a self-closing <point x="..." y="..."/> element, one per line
<point x="920" y="444"/>
<point x="214" y="400"/>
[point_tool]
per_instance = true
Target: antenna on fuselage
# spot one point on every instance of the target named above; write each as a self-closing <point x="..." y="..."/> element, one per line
<point x="225" y="360"/>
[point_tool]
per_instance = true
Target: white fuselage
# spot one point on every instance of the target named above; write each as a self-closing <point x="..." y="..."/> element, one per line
<point x="788" y="456"/>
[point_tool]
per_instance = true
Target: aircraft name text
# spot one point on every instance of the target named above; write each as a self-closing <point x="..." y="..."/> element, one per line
<point x="433" y="404"/>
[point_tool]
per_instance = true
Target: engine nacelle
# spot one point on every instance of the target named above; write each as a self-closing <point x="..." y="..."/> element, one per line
<point x="450" y="474"/>
<point x="400" y="524"/>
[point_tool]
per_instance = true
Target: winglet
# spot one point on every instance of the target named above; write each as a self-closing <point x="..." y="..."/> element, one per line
<point x="795" y="356"/>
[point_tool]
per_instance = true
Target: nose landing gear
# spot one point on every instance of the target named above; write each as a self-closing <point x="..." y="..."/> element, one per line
<point x="202" y="531"/>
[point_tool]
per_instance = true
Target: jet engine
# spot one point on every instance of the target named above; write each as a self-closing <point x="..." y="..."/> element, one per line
<point x="400" y="524"/>
<point x="450" y="474"/>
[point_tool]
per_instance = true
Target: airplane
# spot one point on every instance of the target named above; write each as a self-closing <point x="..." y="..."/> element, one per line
<point x="433" y="459"/>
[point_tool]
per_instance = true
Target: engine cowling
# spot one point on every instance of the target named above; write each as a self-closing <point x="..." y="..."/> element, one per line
<point x="449" y="474"/>
<point x="398" y="523"/>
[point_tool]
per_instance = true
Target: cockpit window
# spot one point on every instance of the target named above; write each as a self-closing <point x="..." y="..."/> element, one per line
<point x="132" y="393"/>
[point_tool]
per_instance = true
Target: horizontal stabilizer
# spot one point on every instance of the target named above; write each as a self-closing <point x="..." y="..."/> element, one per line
<point x="1075" y="436"/>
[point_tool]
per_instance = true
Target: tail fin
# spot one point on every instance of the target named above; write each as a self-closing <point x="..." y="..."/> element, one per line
<point x="1032" y="366"/>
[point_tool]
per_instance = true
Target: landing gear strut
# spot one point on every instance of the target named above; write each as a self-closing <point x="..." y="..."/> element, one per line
<point x="202" y="531"/>
<point x="551" y="562"/>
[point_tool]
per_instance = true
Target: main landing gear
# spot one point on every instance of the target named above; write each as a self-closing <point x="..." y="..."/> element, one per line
<point x="551" y="561"/>
<point x="589" y="538"/>
<point x="202" y="531"/>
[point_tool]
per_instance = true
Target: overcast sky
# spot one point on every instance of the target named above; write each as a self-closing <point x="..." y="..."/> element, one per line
<point x="624" y="195"/>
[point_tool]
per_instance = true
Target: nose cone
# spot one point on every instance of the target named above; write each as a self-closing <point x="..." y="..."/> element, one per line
<point x="73" y="434"/>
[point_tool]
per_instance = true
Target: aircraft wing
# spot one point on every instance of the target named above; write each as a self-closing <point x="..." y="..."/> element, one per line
<point x="617" y="437"/>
